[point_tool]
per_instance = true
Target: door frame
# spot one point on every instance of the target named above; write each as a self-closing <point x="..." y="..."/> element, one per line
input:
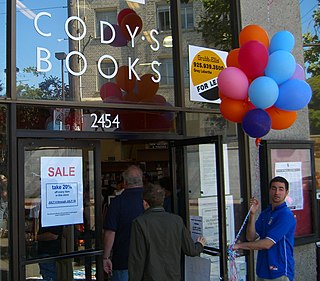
<point x="217" y="140"/>
<point x="76" y="143"/>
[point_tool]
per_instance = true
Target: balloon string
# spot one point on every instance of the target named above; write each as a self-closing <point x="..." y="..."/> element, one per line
<point x="233" y="254"/>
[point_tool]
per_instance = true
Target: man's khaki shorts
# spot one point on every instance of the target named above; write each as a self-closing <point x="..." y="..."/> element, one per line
<point x="282" y="278"/>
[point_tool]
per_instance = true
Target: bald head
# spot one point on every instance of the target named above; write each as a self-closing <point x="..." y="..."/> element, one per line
<point x="133" y="177"/>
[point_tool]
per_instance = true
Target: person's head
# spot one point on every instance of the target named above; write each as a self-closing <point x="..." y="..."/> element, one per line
<point x="278" y="189"/>
<point x="132" y="177"/>
<point x="166" y="183"/>
<point x="153" y="196"/>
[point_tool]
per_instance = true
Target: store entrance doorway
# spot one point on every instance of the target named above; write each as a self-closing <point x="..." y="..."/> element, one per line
<point x="60" y="235"/>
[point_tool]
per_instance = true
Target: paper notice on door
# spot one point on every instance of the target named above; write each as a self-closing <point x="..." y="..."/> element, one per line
<point x="61" y="191"/>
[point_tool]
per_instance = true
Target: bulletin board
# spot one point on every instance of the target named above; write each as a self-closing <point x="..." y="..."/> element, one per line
<point x="293" y="160"/>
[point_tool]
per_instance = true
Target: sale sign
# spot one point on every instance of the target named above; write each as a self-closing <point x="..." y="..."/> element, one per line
<point x="61" y="191"/>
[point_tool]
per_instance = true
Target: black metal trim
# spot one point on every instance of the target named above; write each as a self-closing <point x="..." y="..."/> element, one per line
<point x="266" y="174"/>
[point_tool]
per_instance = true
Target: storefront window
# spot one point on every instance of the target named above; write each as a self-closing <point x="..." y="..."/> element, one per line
<point x="3" y="17"/>
<point x="4" y="192"/>
<point x="206" y="28"/>
<point x="101" y="51"/>
<point x="110" y="120"/>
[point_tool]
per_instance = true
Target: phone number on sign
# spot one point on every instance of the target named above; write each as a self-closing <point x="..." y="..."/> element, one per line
<point x="208" y="66"/>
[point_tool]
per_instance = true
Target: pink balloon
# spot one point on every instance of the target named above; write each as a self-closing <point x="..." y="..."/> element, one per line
<point x="253" y="58"/>
<point x="233" y="83"/>
<point x="298" y="73"/>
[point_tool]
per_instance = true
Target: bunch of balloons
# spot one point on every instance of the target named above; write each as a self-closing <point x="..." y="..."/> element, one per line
<point x="262" y="86"/>
<point x="143" y="91"/>
<point x="118" y="34"/>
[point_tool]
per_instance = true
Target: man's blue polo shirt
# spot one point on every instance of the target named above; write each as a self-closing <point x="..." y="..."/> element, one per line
<point x="279" y="226"/>
<point x="123" y="209"/>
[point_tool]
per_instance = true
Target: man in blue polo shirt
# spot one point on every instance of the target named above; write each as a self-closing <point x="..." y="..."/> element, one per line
<point x="123" y="209"/>
<point x="275" y="229"/>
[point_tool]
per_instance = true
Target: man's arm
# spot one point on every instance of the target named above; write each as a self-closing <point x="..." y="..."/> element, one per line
<point x="108" y="240"/>
<point x="263" y="244"/>
<point x="251" y="233"/>
<point x="137" y="253"/>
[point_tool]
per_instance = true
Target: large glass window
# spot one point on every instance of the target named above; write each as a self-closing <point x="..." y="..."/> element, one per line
<point x="107" y="68"/>
<point x="4" y="193"/>
<point x="164" y="18"/>
<point x="3" y="25"/>
<point x="109" y="16"/>
<point x="61" y="56"/>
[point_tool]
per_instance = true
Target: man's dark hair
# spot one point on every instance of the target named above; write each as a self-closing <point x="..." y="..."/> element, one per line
<point x="154" y="195"/>
<point x="280" y="179"/>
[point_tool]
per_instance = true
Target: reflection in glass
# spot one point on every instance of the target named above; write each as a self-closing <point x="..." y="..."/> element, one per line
<point x="68" y="269"/>
<point x="3" y="25"/>
<point x="205" y="25"/>
<point x="104" y="60"/>
<point x="4" y="193"/>
<point x="109" y="120"/>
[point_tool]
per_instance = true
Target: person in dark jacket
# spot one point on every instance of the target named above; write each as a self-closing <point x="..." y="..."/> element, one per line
<point x="123" y="209"/>
<point x="157" y="240"/>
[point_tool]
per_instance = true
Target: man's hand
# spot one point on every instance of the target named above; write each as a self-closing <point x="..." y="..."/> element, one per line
<point x="254" y="204"/>
<point x="107" y="266"/>
<point x="202" y="240"/>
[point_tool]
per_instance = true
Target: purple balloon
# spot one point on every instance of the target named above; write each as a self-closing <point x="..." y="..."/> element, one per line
<point x="256" y="123"/>
<point x="298" y="73"/>
<point x="119" y="41"/>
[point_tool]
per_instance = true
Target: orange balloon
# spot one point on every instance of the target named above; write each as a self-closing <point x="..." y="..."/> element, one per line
<point x="146" y="87"/>
<point x="233" y="110"/>
<point x="254" y="32"/>
<point x="122" y="79"/>
<point x="281" y="119"/>
<point x="232" y="58"/>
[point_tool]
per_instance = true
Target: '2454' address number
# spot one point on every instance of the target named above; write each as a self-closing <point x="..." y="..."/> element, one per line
<point x="105" y="121"/>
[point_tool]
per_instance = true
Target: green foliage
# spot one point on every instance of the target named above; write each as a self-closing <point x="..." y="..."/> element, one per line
<point x="215" y="23"/>
<point x="50" y="88"/>
<point x="314" y="112"/>
<point x="312" y="60"/>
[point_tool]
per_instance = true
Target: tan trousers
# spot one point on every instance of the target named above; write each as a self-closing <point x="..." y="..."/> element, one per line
<point x="282" y="278"/>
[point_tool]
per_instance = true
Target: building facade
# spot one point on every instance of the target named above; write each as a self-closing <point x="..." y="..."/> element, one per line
<point x="90" y="87"/>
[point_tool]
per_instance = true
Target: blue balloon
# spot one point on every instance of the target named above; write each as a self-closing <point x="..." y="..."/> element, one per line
<point x="263" y="92"/>
<point x="281" y="66"/>
<point x="282" y="40"/>
<point x="293" y="95"/>
<point x="256" y="123"/>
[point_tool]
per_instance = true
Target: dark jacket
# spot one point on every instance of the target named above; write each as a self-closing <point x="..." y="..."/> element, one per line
<point x="157" y="240"/>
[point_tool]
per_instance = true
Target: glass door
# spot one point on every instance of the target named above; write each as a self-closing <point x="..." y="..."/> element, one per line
<point x="198" y="180"/>
<point x="60" y="210"/>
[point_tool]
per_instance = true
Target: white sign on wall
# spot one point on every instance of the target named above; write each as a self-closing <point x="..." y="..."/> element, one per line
<point x="138" y="1"/>
<point x="61" y="191"/>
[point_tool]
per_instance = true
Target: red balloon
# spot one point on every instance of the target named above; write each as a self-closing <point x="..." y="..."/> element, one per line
<point x="110" y="89"/>
<point x="133" y="21"/>
<point x="253" y="59"/>
<point x="122" y="79"/>
<point x="123" y="13"/>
